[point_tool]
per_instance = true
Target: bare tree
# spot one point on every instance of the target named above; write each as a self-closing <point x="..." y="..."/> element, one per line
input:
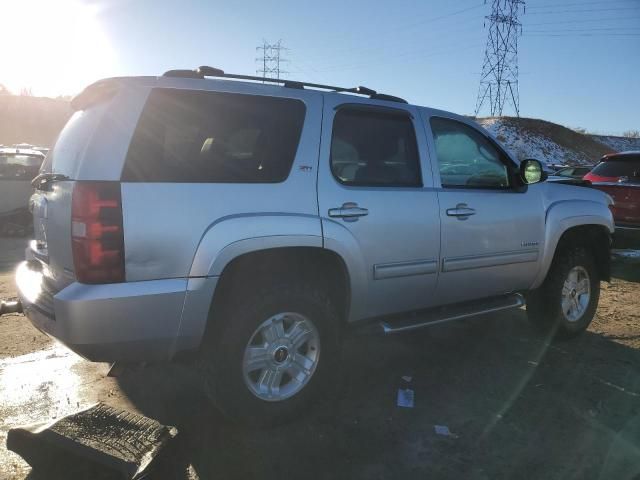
<point x="631" y="134"/>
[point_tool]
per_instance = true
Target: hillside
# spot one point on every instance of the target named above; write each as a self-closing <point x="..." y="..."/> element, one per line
<point x="619" y="144"/>
<point x="546" y="141"/>
<point x="35" y="120"/>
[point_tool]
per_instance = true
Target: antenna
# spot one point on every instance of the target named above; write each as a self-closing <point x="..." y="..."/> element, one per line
<point x="499" y="77"/>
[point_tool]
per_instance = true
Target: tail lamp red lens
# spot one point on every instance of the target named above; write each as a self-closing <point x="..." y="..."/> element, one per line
<point x="96" y="232"/>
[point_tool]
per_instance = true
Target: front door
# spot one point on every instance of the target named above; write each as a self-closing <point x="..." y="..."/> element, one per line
<point x="492" y="227"/>
<point x="375" y="193"/>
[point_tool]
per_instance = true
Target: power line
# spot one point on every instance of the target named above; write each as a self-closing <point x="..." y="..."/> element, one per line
<point x="499" y="77"/>
<point x="270" y="60"/>
<point x="386" y="27"/>
<point x="582" y="35"/>
<point x="417" y="55"/>
<point x="578" y="4"/>
<point x="553" y="12"/>
<point x="382" y="55"/>
<point x="385" y="42"/>
<point x="441" y="17"/>
<point x="586" y="30"/>
<point x="583" y="20"/>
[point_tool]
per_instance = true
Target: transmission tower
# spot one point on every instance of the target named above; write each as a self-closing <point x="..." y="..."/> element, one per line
<point x="270" y="60"/>
<point x="499" y="77"/>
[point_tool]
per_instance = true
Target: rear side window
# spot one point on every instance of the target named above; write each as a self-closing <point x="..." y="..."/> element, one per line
<point x="618" y="168"/>
<point x="208" y="137"/>
<point x="66" y="155"/>
<point x="372" y="148"/>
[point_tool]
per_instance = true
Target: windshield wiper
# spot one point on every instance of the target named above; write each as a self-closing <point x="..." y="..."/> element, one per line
<point x="44" y="180"/>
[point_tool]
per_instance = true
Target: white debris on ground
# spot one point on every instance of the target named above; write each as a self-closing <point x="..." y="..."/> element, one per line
<point x="631" y="254"/>
<point x="526" y="144"/>
<point x="405" y="398"/>
<point x="618" y="144"/>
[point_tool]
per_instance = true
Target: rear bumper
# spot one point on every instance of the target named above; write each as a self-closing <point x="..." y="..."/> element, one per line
<point x="626" y="237"/>
<point x="135" y="321"/>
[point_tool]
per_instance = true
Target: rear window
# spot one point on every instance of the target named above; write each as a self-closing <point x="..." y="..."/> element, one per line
<point x="67" y="152"/>
<point x="208" y="137"/>
<point x="618" y="168"/>
<point x="19" y="166"/>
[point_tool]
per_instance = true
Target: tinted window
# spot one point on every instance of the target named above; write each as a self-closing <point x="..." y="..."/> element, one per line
<point x="374" y="148"/>
<point x="618" y="168"/>
<point x="466" y="158"/>
<point x="195" y="136"/>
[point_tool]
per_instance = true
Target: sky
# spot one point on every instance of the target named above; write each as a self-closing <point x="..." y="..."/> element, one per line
<point x="579" y="61"/>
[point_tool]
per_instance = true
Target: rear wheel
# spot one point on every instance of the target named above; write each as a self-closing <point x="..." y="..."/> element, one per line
<point x="272" y="354"/>
<point x="566" y="302"/>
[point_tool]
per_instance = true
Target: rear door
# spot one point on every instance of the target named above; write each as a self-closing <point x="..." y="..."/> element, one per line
<point x="375" y="183"/>
<point x="492" y="231"/>
<point x="626" y="198"/>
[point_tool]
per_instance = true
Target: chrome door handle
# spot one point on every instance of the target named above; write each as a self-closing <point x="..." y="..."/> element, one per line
<point x="350" y="211"/>
<point x="462" y="211"/>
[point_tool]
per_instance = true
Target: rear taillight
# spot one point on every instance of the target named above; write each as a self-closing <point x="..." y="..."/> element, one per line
<point x="96" y="232"/>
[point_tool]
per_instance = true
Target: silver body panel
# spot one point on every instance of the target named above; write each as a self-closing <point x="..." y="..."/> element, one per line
<point x="14" y="194"/>
<point x="405" y="254"/>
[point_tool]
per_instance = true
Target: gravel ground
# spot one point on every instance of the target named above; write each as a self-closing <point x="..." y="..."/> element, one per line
<point x="516" y="404"/>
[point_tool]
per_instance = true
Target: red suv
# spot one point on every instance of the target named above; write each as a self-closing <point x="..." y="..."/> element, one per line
<point x="618" y="174"/>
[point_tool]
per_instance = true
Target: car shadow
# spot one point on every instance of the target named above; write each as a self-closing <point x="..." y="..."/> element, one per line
<point x="517" y="406"/>
<point x="626" y="265"/>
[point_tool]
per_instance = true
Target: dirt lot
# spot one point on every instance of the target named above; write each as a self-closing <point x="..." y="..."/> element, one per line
<point x="518" y="406"/>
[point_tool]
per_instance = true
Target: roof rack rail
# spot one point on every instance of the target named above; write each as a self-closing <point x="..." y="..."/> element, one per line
<point x="205" y="71"/>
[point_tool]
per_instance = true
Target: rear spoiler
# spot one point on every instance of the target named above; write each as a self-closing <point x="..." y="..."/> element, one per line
<point x="95" y="93"/>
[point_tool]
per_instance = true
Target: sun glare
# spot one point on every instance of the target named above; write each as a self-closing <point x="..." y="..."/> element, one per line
<point x="53" y="47"/>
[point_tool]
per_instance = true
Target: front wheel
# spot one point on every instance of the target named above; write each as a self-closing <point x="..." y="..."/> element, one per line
<point x="273" y="354"/>
<point x="566" y="302"/>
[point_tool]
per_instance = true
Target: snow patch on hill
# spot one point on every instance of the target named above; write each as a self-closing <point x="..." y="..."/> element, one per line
<point x="523" y="143"/>
<point x="618" y="144"/>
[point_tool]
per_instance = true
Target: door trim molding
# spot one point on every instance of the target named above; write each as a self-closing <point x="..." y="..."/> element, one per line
<point x="456" y="264"/>
<point x="382" y="271"/>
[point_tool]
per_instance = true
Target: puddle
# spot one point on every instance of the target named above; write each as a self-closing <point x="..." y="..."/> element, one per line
<point x="39" y="387"/>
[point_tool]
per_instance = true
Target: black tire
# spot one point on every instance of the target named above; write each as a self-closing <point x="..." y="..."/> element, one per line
<point x="224" y="345"/>
<point x="544" y="305"/>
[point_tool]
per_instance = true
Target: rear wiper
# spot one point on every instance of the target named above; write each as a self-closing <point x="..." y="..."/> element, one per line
<point x="44" y="180"/>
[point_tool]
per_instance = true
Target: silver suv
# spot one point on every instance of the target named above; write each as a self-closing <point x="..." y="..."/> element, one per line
<point x="251" y="222"/>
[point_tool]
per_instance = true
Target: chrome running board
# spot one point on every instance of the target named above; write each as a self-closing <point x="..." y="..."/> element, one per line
<point x="451" y="313"/>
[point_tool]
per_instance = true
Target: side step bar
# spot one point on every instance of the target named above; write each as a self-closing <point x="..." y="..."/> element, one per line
<point x="451" y="313"/>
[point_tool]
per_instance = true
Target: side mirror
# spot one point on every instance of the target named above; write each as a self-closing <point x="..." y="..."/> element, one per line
<point x="531" y="171"/>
